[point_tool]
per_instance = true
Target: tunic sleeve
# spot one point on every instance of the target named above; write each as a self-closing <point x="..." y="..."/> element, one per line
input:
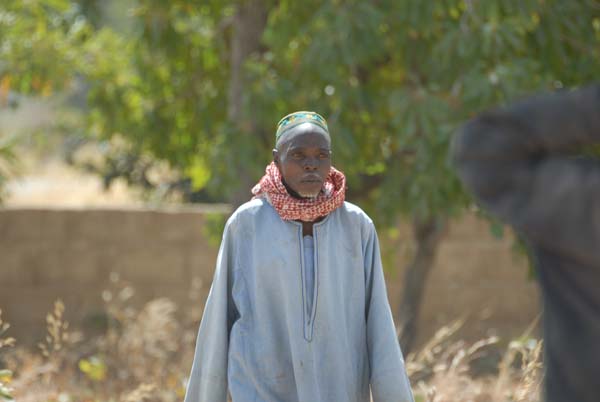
<point x="208" y="378"/>
<point x="389" y="381"/>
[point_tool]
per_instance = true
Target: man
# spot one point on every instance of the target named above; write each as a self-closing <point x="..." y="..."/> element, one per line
<point x="524" y="164"/>
<point x="298" y="309"/>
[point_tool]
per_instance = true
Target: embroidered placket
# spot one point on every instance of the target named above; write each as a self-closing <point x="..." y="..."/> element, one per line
<point x="308" y="317"/>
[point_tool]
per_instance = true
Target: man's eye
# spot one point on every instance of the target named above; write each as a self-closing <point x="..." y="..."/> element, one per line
<point x="323" y="155"/>
<point x="297" y="155"/>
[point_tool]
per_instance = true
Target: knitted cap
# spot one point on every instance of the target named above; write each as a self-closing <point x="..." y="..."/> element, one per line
<point x="296" y="118"/>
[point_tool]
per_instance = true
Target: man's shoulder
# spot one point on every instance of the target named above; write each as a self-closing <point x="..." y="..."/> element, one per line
<point x="256" y="208"/>
<point x="355" y="213"/>
<point x="251" y="206"/>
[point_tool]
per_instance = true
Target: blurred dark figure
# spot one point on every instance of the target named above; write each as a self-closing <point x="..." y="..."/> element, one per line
<point x="527" y="165"/>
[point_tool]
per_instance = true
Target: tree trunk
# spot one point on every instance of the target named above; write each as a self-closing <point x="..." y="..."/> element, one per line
<point x="249" y="22"/>
<point x="427" y="234"/>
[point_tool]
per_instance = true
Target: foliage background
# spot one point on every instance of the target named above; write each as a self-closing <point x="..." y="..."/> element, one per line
<point x="394" y="78"/>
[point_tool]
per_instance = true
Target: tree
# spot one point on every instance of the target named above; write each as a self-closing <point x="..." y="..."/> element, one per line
<point x="30" y="36"/>
<point x="7" y="163"/>
<point x="202" y="86"/>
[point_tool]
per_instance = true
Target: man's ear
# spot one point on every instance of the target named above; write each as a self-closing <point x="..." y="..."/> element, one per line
<point x="276" y="156"/>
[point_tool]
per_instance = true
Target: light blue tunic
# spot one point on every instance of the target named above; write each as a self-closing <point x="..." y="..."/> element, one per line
<point x="266" y="337"/>
<point x="309" y="263"/>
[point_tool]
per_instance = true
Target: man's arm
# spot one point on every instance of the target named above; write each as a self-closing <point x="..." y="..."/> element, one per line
<point x="208" y="378"/>
<point x="521" y="163"/>
<point x="389" y="381"/>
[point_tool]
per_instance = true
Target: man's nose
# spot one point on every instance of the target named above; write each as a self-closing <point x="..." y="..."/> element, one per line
<point x="311" y="164"/>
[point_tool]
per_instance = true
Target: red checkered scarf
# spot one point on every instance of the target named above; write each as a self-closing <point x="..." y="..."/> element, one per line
<point x="271" y="188"/>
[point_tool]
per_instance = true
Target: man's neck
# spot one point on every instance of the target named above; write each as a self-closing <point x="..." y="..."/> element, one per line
<point x="292" y="192"/>
<point x="307" y="228"/>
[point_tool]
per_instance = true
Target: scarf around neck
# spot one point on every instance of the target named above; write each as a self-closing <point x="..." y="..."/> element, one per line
<point x="271" y="188"/>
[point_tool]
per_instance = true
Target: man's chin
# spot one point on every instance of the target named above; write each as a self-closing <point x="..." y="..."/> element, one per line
<point x="309" y="195"/>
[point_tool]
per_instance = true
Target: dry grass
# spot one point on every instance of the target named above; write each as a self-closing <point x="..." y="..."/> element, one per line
<point x="5" y="374"/>
<point x="442" y="370"/>
<point x="145" y="354"/>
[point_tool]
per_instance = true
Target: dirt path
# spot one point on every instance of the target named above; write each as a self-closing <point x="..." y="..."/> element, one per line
<point x="52" y="183"/>
<point x="43" y="179"/>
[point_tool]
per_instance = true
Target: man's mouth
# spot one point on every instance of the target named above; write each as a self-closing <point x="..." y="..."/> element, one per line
<point x="312" y="178"/>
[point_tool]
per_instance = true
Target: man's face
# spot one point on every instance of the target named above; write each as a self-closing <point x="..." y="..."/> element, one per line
<point x="303" y="157"/>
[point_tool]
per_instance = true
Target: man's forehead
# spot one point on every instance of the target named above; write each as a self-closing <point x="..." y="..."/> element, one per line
<point x="305" y="133"/>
